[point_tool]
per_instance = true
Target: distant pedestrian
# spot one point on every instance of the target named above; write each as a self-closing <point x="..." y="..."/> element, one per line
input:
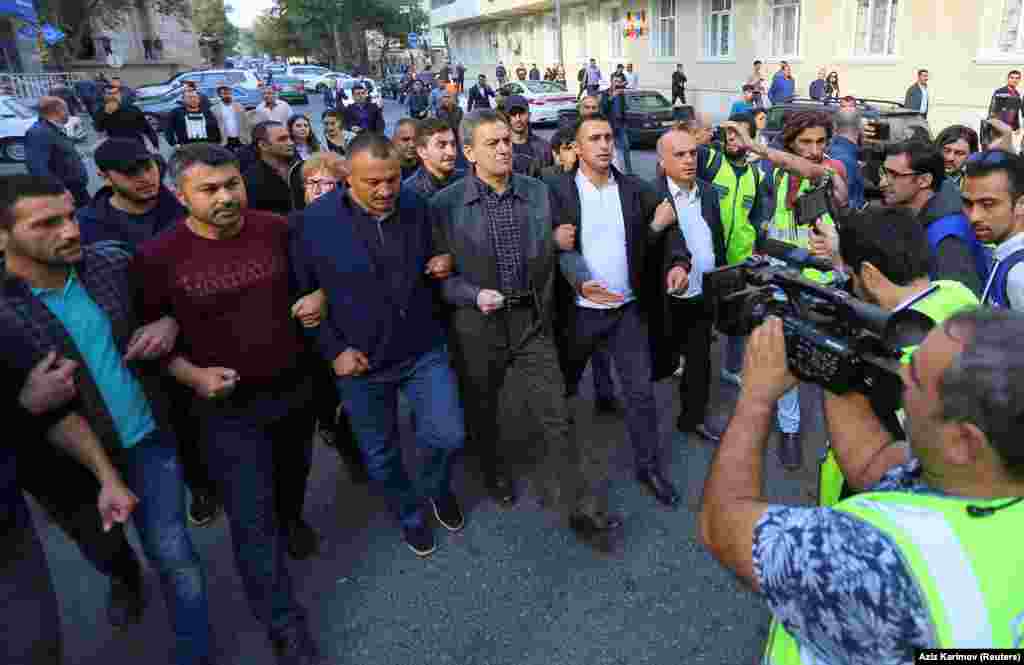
<point x="479" y="95"/>
<point x="832" y="86"/>
<point x="190" y="123"/>
<point x="534" y="73"/>
<point x="783" y="86"/>
<point x="500" y="73"/>
<point x="50" y="153"/>
<point x="632" y="77"/>
<point x="679" y="85"/>
<point x="746" y="103"/>
<point x="460" y="77"/>
<point x="124" y="120"/>
<point x="817" y="89"/>
<point x="521" y="72"/>
<point x="916" y="98"/>
<point x="593" y="77"/>
<point x="1006" y="103"/>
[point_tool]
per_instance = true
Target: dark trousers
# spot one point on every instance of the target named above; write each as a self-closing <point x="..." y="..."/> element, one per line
<point x="29" y="621"/>
<point x="680" y="95"/>
<point x="486" y="363"/>
<point x="691" y="325"/>
<point x="259" y="450"/>
<point x="326" y="404"/>
<point x="67" y="491"/>
<point x="187" y="432"/>
<point x="623" y="333"/>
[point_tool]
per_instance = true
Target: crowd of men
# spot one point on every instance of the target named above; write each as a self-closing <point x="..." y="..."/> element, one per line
<point x="194" y="324"/>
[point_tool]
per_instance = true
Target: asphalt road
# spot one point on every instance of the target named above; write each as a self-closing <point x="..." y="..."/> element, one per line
<point x="514" y="588"/>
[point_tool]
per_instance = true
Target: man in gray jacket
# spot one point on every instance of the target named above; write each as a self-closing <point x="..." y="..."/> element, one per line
<point x="498" y="227"/>
<point x="50" y="153"/>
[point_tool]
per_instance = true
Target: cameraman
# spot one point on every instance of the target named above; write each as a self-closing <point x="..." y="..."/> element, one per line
<point x="887" y="257"/>
<point x="793" y="172"/>
<point x="882" y="574"/>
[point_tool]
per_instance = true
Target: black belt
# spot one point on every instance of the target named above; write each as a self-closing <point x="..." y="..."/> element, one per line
<point x="515" y="300"/>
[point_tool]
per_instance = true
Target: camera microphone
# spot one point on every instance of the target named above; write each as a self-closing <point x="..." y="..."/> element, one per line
<point x="797" y="257"/>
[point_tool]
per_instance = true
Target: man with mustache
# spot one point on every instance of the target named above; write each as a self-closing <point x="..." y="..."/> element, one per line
<point x="993" y="199"/>
<point x="369" y="248"/>
<point x="224" y="275"/>
<point x="436" y="147"/>
<point x="621" y="267"/>
<point x="268" y="180"/>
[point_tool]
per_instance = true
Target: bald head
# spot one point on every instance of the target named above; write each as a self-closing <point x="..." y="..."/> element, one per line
<point x="54" y="109"/>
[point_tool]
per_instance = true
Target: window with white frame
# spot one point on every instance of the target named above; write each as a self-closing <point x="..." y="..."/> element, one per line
<point x="529" y="32"/>
<point x="490" y="45"/>
<point x="875" y="27"/>
<point x="784" y="27"/>
<point x="614" y="32"/>
<point x="579" y="20"/>
<point x="551" y="30"/>
<point x="717" y="28"/>
<point x="1011" y="32"/>
<point x="663" y="28"/>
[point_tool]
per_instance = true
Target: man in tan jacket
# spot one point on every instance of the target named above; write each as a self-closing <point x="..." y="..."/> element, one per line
<point x="235" y="126"/>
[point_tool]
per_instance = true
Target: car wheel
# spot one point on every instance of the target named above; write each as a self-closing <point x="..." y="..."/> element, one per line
<point x="13" y="150"/>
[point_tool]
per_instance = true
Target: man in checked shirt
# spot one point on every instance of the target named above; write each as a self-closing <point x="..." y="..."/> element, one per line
<point x="498" y="227"/>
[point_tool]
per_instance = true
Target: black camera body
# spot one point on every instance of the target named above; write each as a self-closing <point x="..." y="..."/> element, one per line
<point x="832" y="338"/>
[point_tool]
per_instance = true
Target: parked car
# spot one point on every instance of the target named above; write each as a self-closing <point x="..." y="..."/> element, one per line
<point x="15" y="121"/>
<point x="885" y="122"/>
<point x="648" y="115"/>
<point x="291" y="89"/>
<point x="308" y="73"/>
<point x="546" y="98"/>
<point x="210" y="78"/>
<point x="374" y="90"/>
<point x="158" y="110"/>
<point x="326" y="80"/>
<point x="276" y="69"/>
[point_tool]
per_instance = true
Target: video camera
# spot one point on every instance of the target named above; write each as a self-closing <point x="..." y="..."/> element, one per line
<point x="832" y="338"/>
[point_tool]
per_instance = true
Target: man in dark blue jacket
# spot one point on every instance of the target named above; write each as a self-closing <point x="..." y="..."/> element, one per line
<point x="844" y="147"/>
<point x="369" y="247"/>
<point x="783" y="86"/>
<point x="50" y="153"/>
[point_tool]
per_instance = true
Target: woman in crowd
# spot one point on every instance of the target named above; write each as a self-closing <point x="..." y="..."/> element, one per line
<point x="832" y="86"/>
<point x="301" y="130"/>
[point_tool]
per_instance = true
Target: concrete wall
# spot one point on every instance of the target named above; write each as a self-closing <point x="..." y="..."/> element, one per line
<point x="955" y="40"/>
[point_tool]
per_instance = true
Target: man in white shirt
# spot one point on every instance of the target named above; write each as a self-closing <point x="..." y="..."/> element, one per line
<point x="272" y="108"/>
<point x="233" y="119"/>
<point x="632" y="78"/>
<point x="916" y="98"/>
<point x="697" y="209"/>
<point x="621" y="270"/>
<point x="993" y="196"/>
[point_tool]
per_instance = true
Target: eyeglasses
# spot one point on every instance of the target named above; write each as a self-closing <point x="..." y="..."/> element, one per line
<point x="321" y="184"/>
<point x="887" y="174"/>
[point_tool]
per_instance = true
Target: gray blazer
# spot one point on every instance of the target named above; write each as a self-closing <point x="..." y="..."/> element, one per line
<point x="912" y="100"/>
<point x="461" y="228"/>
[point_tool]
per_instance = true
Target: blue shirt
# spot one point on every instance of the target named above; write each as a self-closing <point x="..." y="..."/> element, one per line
<point x="740" y="106"/>
<point x="845" y="151"/>
<point x="90" y="329"/>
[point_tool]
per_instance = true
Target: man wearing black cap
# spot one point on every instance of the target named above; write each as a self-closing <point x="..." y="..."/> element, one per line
<point x="530" y="153"/>
<point x="362" y="114"/>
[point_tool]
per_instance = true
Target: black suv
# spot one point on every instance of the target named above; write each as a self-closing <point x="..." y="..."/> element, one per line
<point x="885" y="122"/>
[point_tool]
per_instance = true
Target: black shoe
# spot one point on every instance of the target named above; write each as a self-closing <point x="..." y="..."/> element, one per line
<point x="708" y="432"/>
<point x="303" y="541"/>
<point x="593" y="532"/>
<point x="295" y="646"/>
<point x="449" y="513"/>
<point x="204" y="508"/>
<point x="791" y="452"/>
<point x="420" y="540"/>
<point x="502" y="490"/>
<point x="659" y="486"/>
<point x="606" y="405"/>
<point x="126" y="601"/>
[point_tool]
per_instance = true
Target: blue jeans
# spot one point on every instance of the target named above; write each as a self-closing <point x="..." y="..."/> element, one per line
<point x="787" y="409"/>
<point x="244" y="440"/>
<point x="152" y="471"/>
<point x="601" y="366"/>
<point x="623" y="148"/>
<point x="371" y="401"/>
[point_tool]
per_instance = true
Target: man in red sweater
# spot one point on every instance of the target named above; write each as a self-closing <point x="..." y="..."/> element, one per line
<point x="224" y="276"/>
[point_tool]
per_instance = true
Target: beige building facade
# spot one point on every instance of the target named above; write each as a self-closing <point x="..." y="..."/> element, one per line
<point x="876" y="46"/>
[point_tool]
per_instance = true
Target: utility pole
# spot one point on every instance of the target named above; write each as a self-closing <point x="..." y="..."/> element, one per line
<point x="558" y="31"/>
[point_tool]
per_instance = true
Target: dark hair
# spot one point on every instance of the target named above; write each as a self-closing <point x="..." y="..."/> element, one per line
<point x="1012" y="72"/>
<point x="478" y="118"/>
<point x="564" y="136"/>
<point x="922" y="71"/>
<point x="377" y="145"/>
<point x="261" y="130"/>
<point x="758" y="62"/>
<point x="747" y="87"/>
<point x="891" y="239"/>
<point x="314" y="142"/>
<point x="49" y="105"/>
<point x="14" y="188"/>
<point x="798" y="121"/>
<point x="954" y="133"/>
<point x="407" y="121"/>
<point x="984" y="163"/>
<point x="747" y="118"/>
<point x="578" y="125"/>
<point x="206" y="154"/>
<point x="331" y="113"/>
<point x="782" y="63"/>
<point x="924" y="158"/>
<point x="428" y="127"/>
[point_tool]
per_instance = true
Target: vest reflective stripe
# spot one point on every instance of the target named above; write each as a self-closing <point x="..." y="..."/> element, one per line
<point x="946" y="300"/>
<point x="783" y="225"/>
<point x="971" y="580"/>
<point x="736" y="199"/>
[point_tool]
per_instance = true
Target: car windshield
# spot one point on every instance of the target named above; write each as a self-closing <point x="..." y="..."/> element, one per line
<point x="648" y="101"/>
<point x="543" y="86"/>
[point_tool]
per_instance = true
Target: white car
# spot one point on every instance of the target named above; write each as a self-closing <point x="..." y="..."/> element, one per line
<point x="209" y="78"/>
<point x="326" y="80"/>
<point x="347" y="84"/>
<point x="546" y="98"/>
<point x="308" y="73"/>
<point x="15" y="121"/>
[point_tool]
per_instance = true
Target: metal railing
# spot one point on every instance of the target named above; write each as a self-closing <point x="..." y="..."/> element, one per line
<point x="34" y="86"/>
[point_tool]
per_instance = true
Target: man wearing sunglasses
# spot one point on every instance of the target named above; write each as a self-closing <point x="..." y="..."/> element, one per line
<point x="993" y="200"/>
<point x="913" y="178"/>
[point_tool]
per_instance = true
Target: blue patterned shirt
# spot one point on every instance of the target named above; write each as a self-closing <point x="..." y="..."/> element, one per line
<point x="840" y="584"/>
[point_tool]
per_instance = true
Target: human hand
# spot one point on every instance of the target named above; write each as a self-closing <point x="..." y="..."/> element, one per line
<point x="678" y="279"/>
<point x="1002" y="136"/>
<point x="823" y="241"/>
<point x="664" y="216"/>
<point x="116" y="503"/>
<point x="153" y="340"/>
<point x="595" y="291"/>
<point x="743" y="138"/>
<point x="310" y="309"/>
<point x="565" y="237"/>
<point x="50" y="384"/>
<point x="766" y="375"/>
<point x="214" y="382"/>
<point x="440" y="266"/>
<point x="351" y="362"/>
<point x="489" y="300"/>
